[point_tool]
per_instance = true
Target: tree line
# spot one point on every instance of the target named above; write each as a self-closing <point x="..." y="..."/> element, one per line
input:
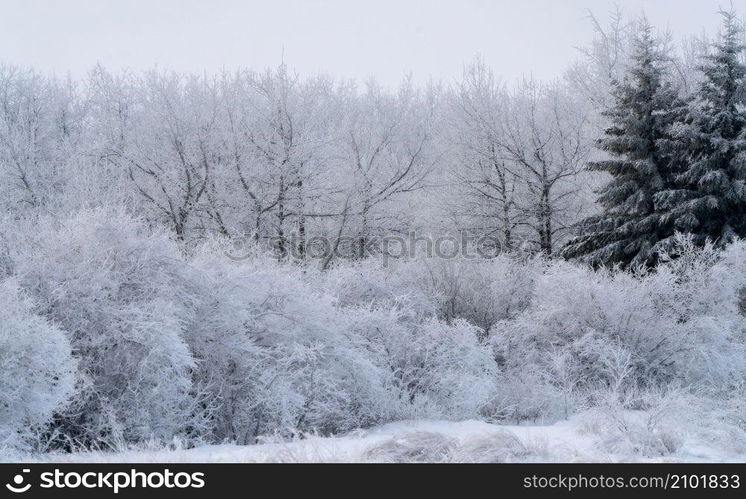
<point x="273" y="157"/>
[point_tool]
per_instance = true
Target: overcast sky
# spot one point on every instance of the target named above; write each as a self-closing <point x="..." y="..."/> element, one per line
<point x="347" y="38"/>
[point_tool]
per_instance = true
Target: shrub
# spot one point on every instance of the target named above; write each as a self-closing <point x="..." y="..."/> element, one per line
<point x="36" y="369"/>
<point x="109" y="281"/>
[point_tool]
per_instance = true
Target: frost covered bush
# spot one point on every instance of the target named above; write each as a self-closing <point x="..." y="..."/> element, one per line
<point x="367" y="283"/>
<point x="584" y="329"/>
<point x="109" y="281"/>
<point x="204" y="348"/>
<point x="229" y="365"/>
<point x="680" y="322"/>
<point x="451" y="373"/>
<point x="581" y="312"/>
<point x="524" y="395"/>
<point x="647" y="422"/>
<point x="36" y="369"/>
<point x="482" y="291"/>
<point x="173" y="342"/>
<point x="705" y="298"/>
<point x="276" y="355"/>
<point x="439" y="370"/>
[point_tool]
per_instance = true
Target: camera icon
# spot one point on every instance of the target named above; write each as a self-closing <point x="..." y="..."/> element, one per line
<point x="18" y="481"/>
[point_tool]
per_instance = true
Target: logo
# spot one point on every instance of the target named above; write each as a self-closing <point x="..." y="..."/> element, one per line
<point x="118" y="480"/>
<point x="18" y="480"/>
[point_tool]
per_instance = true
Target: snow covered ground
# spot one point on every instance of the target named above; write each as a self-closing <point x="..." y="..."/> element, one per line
<point x="434" y="441"/>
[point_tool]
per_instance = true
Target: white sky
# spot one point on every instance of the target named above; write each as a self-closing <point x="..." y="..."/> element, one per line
<point x="347" y="38"/>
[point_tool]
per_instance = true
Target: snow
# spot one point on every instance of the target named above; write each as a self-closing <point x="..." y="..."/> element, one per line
<point x="419" y="441"/>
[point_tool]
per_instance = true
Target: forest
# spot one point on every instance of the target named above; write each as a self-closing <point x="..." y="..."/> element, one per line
<point x="226" y="258"/>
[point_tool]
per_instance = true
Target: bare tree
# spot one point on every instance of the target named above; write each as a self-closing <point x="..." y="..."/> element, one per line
<point x="488" y="185"/>
<point x="603" y="60"/>
<point x="168" y="156"/>
<point x="544" y="143"/>
<point x="385" y="144"/>
<point x="286" y="136"/>
<point x="36" y="130"/>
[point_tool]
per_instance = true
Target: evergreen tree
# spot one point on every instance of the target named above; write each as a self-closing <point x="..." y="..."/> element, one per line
<point x="628" y="229"/>
<point x="709" y="199"/>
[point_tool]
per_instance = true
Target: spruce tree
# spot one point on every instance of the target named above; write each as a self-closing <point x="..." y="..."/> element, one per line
<point x="709" y="199"/>
<point x="629" y="227"/>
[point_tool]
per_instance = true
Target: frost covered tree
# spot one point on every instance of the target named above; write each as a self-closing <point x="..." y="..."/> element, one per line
<point x="385" y="140"/>
<point x="630" y="227"/>
<point x="709" y="197"/>
<point x="544" y="144"/>
<point x="487" y="184"/>
<point x="603" y="59"/>
<point x="42" y="127"/>
<point x="169" y="159"/>
<point x="280" y="137"/>
<point x="518" y="153"/>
